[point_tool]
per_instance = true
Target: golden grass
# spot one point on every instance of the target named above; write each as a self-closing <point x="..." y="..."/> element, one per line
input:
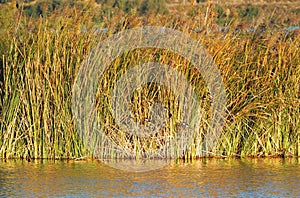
<point x="40" y="60"/>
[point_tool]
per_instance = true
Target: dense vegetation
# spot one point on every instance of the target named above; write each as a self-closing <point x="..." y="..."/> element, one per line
<point x="43" y="45"/>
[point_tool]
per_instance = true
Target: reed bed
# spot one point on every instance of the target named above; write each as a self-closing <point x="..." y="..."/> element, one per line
<point x="41" y="58"/>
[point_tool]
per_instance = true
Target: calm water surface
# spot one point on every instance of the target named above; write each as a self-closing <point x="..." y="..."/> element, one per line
<point x="203" y="178"/>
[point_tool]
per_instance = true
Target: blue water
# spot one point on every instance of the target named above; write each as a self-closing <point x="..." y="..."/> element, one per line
<point x="205" y="178"/>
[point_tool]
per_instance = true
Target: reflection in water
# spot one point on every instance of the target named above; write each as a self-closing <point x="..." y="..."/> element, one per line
<point x="139" y="165"/>
<point x="208" y="177"/>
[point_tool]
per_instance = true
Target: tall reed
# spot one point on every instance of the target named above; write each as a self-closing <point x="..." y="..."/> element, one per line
<point x="40" y="60"/>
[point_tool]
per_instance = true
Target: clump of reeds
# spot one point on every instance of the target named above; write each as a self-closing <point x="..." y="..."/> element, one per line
<point x="39" y="67"/>
<point x="260" y="72"/>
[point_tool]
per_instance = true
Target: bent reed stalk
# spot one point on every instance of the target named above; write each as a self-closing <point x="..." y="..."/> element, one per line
<point x="40" y="62"/>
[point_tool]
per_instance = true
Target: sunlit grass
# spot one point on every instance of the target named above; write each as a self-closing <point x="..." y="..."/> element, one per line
<point x="41" y="59"/>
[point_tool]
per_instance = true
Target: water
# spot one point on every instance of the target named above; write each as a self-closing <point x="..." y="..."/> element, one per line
<point x="203" y="178"/>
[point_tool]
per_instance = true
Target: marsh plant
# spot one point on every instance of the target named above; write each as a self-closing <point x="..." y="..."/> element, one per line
<point x="41" y="57"/>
